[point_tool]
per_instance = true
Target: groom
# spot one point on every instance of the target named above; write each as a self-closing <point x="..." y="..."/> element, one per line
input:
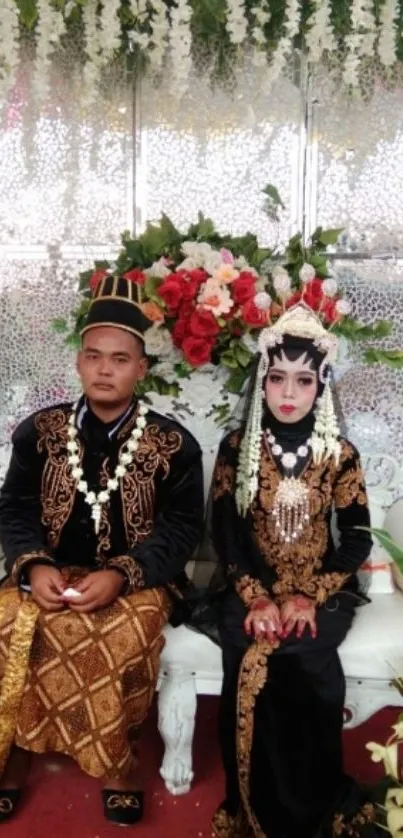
<point x="101" y="508"/>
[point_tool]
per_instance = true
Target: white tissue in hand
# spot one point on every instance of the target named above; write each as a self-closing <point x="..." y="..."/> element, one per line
<point x="71" y="593"/>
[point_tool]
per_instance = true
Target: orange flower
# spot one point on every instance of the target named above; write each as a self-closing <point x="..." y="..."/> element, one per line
<point x="275" y="310"/>
<point x="153" y="312"/>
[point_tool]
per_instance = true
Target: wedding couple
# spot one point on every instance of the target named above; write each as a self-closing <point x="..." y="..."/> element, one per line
<point x="102" y="507"/>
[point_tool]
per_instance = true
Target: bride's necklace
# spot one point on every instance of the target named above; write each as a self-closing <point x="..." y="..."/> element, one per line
<point x="97" y="500"/>
<point x="291" y="501"/>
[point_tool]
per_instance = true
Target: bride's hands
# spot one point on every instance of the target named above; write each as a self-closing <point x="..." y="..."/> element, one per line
<point x="263" y="620"/>
<point x="298" y="612"/>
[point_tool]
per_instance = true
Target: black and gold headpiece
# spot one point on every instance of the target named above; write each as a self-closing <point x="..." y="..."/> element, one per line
<point x="116" y="302"/>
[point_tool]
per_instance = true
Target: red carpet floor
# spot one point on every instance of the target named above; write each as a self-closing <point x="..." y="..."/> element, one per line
<point x="61" y="802"/>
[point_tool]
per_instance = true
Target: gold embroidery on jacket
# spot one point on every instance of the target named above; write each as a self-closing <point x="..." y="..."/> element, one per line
<point x="252" y="678"/>
<point x="224" y="479"/>
<point x="26" y="559"/>
<point x="131" y="569"/>
<point x="154" y="453"/>
<point x="58" y="489"/>
<point x="104" y="535"/>
<point x="350" y="487"/>
<point x="249" y="588"/>
<point x="297" y="564"/>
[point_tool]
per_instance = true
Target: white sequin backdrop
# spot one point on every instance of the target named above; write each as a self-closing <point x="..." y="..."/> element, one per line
<point x="73" y="178"/>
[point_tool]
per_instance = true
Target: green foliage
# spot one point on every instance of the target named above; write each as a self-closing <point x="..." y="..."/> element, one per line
<point x="163" y="239"/>
<point x="386" y="541"/>
<point x="157" y="384"/>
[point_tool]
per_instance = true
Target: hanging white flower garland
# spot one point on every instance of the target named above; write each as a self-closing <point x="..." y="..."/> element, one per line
<point x="97" y="500"/>
<point x="164" y="31"/>
<point x="9" y="46"/>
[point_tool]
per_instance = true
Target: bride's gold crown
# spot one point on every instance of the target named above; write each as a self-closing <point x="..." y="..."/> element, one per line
<point x="302" y="322"/>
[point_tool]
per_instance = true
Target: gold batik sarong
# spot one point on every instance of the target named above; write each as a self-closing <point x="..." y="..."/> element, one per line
<point x="79" y="684"/>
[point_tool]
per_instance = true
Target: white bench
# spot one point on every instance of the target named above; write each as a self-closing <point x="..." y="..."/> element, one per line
<point x="371" y="656"/>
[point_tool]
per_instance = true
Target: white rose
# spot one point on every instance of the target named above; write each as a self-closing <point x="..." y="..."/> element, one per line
<point x="262" y="300"/>
<point x="278" y="271"/>
<point x="307" y="272"/>
<point x="343" y="307"/>
<point x="329" y="287"/>
<point x="212" y="262"/>
<point x="188" y="264"/>
<point x="241" y="263"/>
<point x="158" y="269"/>
<point x="158" y="341"/>
<point x="198" y="252"/>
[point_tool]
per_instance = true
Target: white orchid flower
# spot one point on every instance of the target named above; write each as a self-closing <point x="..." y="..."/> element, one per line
<point x="387" y="754"/>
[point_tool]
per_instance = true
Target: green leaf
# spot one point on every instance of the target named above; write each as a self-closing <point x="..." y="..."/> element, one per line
<point x="157" y="384"/>
<point x="228" y="359"/>
<point x="73" y="340"/>
<point x="259" y="256"/>
<point x="236" y="380"/>
<point x="355" y="331"/>
<point x="390" y="357"/>
<point x="315" y="237"/>
<point x="28" y="12"/>
<point x="272" y="193"/>
<point x="387" y="542"/>
<point x="330" y="236"/>
<point x="220" y="412"/>
<point x="59" y="324"/>
<point x="242" y="354"/>
<point x="151" y="286"/>
<point x="183" y="369"/>
<point x="205" y="228"/>
<point x="319" y="262"/>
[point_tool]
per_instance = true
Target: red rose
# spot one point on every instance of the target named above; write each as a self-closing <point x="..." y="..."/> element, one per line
<point x="243" y="288"/>
<point x="171" y="291"/>
<point x="186" y="310"/>
<point x="96" y="279"/>
<point x="254" y="316"/>
<point x="192" y="281"/>
<point x="293" y="300"/>
<point x="179" y="332"/>
<point x="203" y="324"/>
<point x="328" y="310"/>
<point x="197" y="350"/>
<point x="197" y="275"/>
<point x="136" y="276"/>
<point x="313" y="293"/>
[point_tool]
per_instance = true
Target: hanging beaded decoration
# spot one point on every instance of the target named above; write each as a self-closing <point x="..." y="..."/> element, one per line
<point x="291" y="502"/>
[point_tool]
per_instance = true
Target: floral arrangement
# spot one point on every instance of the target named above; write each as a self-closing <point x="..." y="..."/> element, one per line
<point x="209" y="295"/>
<point x="153" y="34"/>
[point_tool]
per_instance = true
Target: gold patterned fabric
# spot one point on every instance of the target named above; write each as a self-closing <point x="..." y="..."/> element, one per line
<point x="87" y="679"/>
<point x="297" y="564"/>
<point x="249" y="589"/>
<point x="310" y="565"/>
<point x="27" y="558"/>
<point x="58" y="489"/>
